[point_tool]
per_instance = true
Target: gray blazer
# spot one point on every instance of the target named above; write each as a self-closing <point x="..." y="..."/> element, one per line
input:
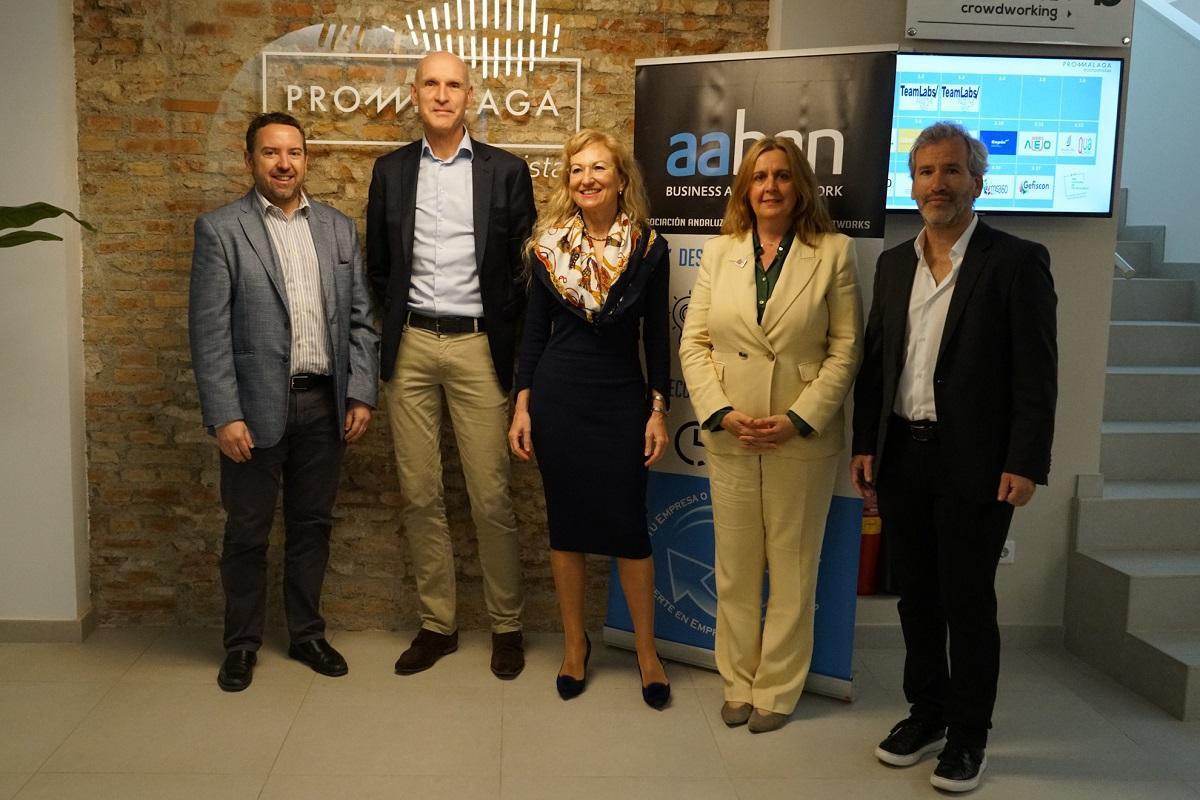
<point x="238" y="317"/>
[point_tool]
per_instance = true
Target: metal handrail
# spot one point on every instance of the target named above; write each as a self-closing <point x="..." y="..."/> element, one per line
<point x="1124" y="267"/>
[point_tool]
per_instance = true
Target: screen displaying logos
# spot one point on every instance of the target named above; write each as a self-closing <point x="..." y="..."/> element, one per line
<point x="1049" y="124"/>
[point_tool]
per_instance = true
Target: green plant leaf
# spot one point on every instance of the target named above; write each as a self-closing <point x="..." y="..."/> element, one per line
<point x="23" y="237"/>
<point x="24" y="216"/>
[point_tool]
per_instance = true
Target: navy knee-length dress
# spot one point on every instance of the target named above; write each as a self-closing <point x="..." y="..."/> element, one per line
<point x="589" y="401"/>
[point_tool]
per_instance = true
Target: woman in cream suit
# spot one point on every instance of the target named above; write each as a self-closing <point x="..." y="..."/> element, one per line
<point x="770" y="346"/>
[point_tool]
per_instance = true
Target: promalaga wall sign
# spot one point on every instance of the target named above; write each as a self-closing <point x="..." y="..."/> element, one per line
<point x="356" y="92"/>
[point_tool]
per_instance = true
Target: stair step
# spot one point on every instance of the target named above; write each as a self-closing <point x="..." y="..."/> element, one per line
<point x="1137" y="450"/>
<point x="1158" y="563"/>
<point x="1164" y="667"/>
<point x="1163" y="587"/>
<point x="1139" y="255"/>
<point x="1155" y="490"/>
<point x="1153" y="235"/>
<point x="1153" y="343"/>
<point x="1153" y="299"/>
<point x="1117" y="520"/>
<point x="1152" y="393"/>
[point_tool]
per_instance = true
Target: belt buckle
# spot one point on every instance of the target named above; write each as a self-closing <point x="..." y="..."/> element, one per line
<point x="922" y="433"/>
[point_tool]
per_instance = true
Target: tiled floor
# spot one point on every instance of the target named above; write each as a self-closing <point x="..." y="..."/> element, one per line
<point x="136" y="714"/>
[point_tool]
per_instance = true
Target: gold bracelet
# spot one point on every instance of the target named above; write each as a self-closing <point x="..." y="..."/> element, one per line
<point x="658" y="410"/>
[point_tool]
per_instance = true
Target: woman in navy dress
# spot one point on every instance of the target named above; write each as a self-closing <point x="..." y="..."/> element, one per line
<point x="598" y="290"/>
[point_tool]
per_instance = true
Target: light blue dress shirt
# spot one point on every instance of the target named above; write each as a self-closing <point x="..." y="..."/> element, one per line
<point x="445" y="277"/>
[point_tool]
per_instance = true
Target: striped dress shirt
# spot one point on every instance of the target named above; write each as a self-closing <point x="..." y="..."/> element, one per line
<point x="296" y="255"/>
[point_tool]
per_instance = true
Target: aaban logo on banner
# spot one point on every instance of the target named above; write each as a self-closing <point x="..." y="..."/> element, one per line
<point x="527" y="97"/>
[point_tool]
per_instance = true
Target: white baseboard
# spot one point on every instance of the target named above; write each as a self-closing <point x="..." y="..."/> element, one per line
<point x="48" y="630"/>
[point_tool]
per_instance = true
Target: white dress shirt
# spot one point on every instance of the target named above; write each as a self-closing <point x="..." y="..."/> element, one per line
<point x="292" y="241"/>
<point x="445" y="277"/>
<point x="927" y="309"/>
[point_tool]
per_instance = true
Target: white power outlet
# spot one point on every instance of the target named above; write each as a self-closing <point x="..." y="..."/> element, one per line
<point x="1008" y="554"/>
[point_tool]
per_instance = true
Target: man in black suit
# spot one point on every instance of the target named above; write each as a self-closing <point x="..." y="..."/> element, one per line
<point x="447" y="217"/>
<point x="953" y="419"/>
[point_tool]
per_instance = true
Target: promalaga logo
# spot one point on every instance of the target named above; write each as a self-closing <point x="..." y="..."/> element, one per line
<point x="467" y="28"/>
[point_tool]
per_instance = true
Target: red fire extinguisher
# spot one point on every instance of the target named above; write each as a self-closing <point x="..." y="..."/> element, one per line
<point x="868" y="548"/>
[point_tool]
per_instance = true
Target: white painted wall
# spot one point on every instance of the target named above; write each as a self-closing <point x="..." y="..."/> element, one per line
<point x="1163" y="118"/>
<point x="43" y="480"/>
<point x="1031" y="590"/>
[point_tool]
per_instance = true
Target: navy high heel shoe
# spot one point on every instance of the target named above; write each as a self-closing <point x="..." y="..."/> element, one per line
<point x="657" y="694"/>
<point x="569" y="687"/>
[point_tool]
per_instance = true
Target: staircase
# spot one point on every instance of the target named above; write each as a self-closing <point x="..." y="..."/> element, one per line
<point x="1133" y="580"/>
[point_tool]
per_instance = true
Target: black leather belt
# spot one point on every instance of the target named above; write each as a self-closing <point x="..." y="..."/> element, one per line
<point x="306" y="380"/>
<point x="921" y="430"/>
<point x="446" y="324"/>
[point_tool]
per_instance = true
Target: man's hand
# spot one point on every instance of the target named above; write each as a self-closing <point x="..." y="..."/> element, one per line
<point x="1016" y="490"/>
<point x="862" y="474"/>
<point x="358" y="416"/>
<point x="234" y="440"/>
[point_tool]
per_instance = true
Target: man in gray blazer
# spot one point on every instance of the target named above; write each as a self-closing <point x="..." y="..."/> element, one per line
<point x="286" y="362"/>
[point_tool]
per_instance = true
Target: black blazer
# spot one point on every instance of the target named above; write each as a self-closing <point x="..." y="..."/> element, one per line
<point x="996" y="377"/>
<point x="503" y="215"/>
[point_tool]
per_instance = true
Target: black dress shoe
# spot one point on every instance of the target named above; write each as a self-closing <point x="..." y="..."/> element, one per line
<point x="569" y="687"/>
<point x="508" y="654"/>
<point x="425" y="650"/>
<point x="237" y="670"/>
<point x="657" y="694"/>
<point x="320" y="655"/>
<point x="959" y="768"/>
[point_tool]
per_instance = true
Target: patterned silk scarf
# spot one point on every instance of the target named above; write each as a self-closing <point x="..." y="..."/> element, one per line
<point x="580" y="272"/>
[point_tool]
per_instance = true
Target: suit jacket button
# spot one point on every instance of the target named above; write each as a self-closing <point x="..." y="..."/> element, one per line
<point x="742" y="355"/>
<point x="770" y="356"/>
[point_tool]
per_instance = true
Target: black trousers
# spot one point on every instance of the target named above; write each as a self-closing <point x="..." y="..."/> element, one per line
<point x="307" y="462"/>
<point x="945" y="549"/>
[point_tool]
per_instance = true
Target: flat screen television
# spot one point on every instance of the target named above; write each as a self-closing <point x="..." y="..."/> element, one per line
<point x="1050" y="126"/>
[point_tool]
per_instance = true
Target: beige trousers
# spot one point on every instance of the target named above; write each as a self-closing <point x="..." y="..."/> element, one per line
<point x="768" y="512"/>
<point x="458" y="367"/>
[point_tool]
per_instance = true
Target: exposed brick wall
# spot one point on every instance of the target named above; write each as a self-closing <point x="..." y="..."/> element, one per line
<point x="165" y="88"/>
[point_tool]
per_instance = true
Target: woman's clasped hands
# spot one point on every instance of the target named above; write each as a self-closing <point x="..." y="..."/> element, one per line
<point x="763" y="433"/>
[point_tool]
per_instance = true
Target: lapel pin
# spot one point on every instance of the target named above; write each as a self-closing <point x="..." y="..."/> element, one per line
<point x="741" y="262"/>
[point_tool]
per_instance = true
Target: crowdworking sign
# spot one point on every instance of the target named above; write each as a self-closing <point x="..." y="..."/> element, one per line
<point x="694" y="118"/>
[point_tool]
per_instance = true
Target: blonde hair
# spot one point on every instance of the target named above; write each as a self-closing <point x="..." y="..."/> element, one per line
<point x="632" y="202"/>
<point x="810" y="218"/>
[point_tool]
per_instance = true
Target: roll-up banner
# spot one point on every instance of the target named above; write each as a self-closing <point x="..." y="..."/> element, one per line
<point x="694" y="118"/>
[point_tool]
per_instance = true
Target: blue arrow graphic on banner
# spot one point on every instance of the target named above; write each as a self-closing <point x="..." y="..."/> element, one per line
<point x="692" y="578"/>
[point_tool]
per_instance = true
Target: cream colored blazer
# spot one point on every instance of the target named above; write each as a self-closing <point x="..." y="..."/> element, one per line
<point x="802" y="358"/>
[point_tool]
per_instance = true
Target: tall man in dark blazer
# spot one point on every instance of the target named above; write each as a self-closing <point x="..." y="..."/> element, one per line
<point x="953" y="419"/>
<point x="285" y="360"/>
<point x="447" y="217"/>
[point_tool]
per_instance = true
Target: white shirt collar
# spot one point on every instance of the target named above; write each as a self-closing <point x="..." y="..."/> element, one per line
<point x="464" y="149"/>
<point x="266" y="205"/>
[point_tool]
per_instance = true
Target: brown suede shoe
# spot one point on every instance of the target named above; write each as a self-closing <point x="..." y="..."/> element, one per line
<point x="425" y="650"/>
<point x="765" y="721"/>
<point x="508" y="655"/>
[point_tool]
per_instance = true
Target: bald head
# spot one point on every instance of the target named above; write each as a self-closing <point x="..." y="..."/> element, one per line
<point x="441" y="62"/>
<point x="441" y="94"/>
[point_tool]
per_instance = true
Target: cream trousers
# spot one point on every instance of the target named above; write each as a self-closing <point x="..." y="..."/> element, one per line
<point x="769" y="514"/>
